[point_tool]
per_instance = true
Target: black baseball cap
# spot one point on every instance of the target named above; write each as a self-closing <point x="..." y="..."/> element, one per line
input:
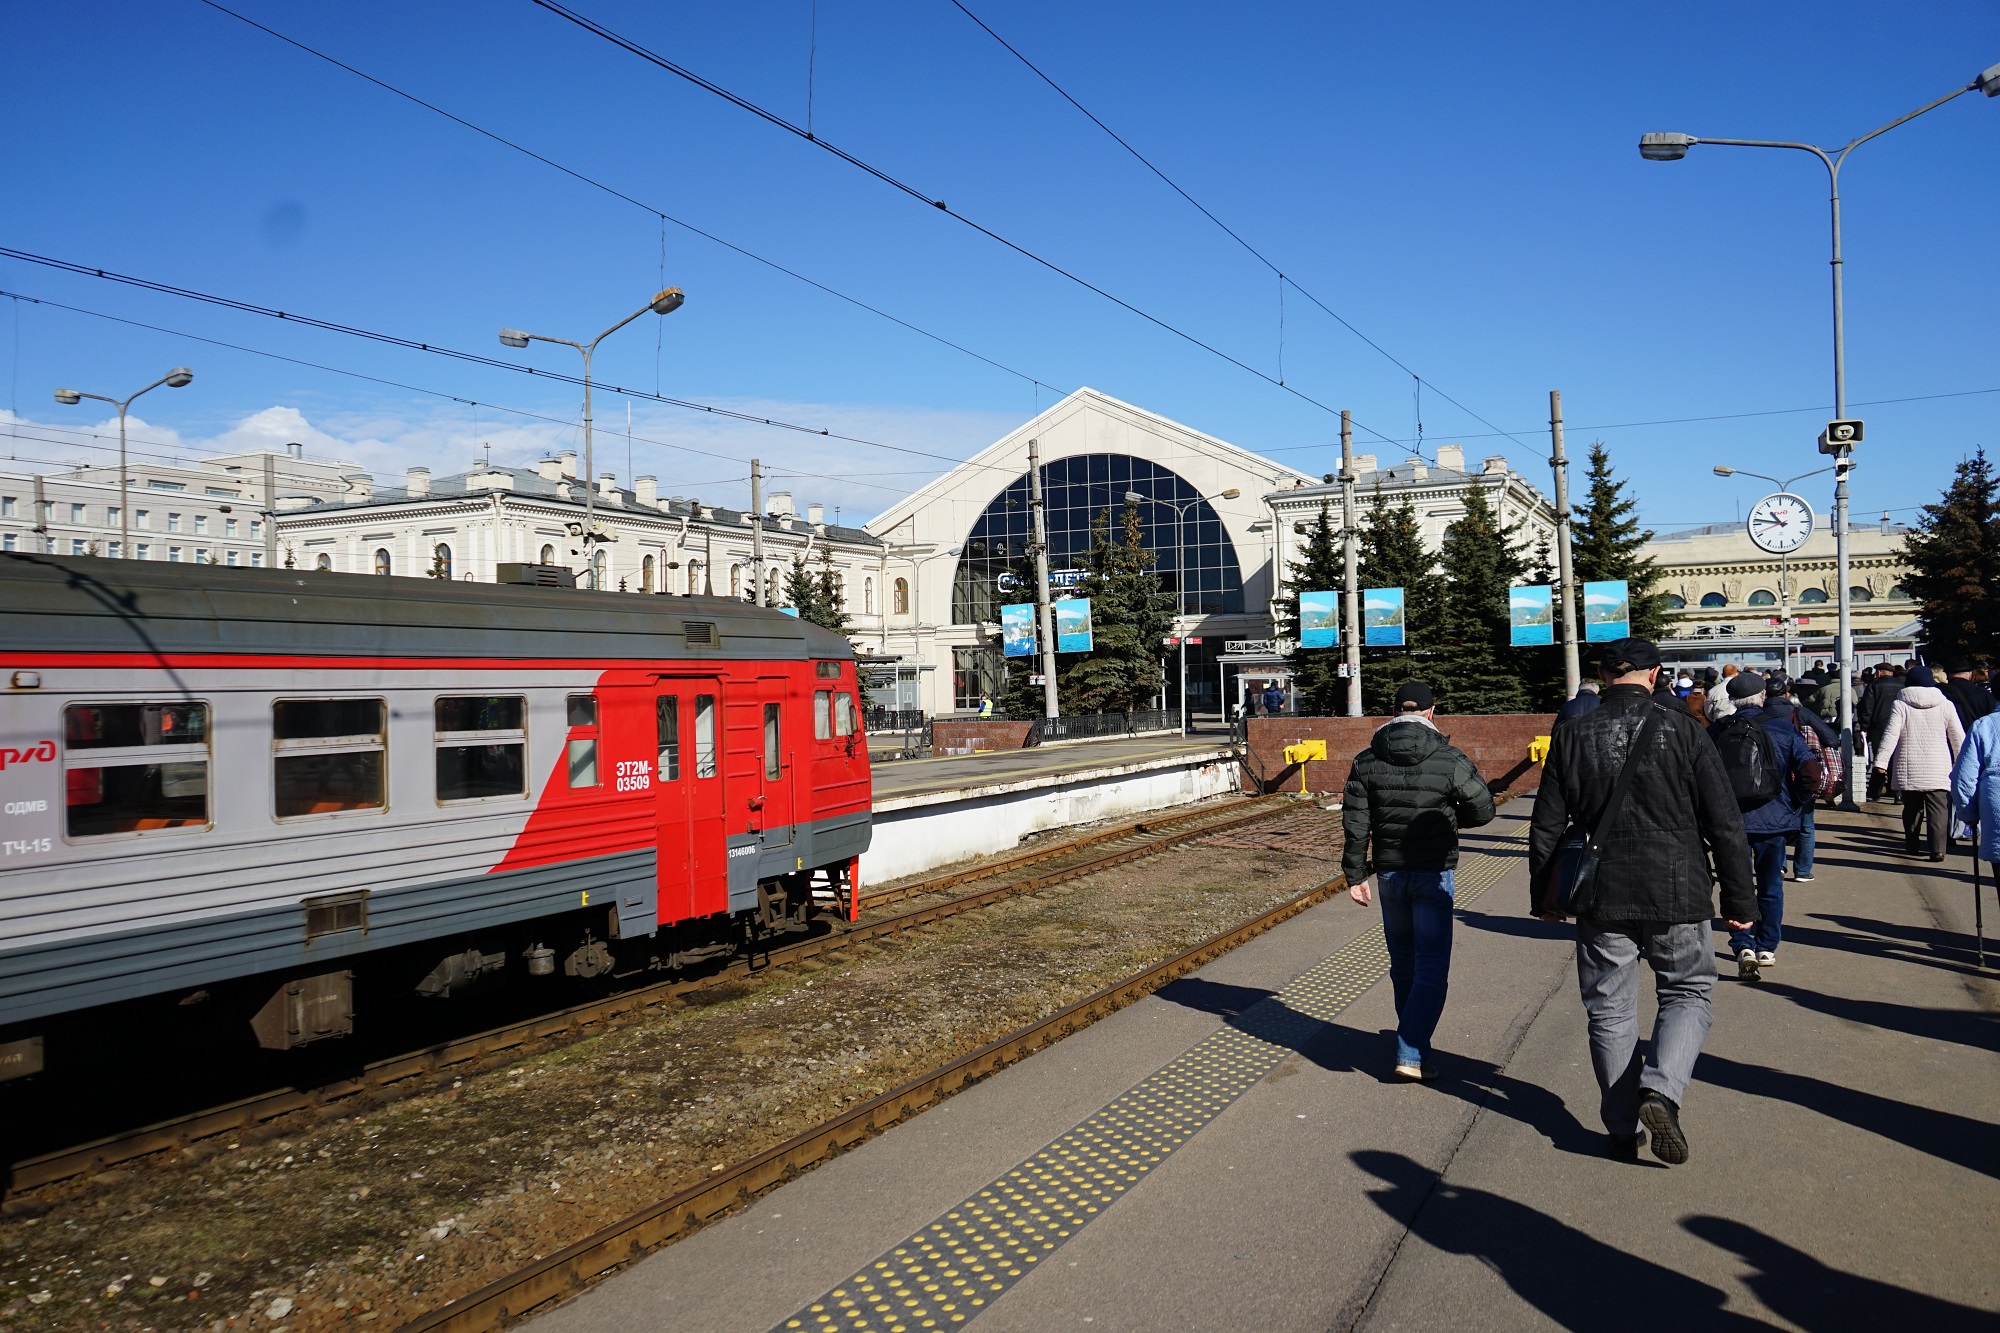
<point x="1747" y="683"/>
<point x="1415" y="693"/>
<point x="1632" y="654"/>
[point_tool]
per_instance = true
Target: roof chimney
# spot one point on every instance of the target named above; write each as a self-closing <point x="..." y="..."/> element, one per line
<point x="815" y="513"/>
<point x="781" y="504"/>
<point x="1420" y="470"/>
<point x="607" y="485"/>
<point x="1496" y="463"/>
<point x="295" y="449"/>
<point x="647" y="489"/>
<point x="568" y="460"/>
<point x="1452" y="456"/>
<point x="420" y="481"/>
<point x="551" y="469"/>
<point x="1364" y="463"/>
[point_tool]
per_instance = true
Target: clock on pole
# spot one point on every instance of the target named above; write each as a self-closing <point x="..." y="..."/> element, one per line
<point x="1780" y="523"/>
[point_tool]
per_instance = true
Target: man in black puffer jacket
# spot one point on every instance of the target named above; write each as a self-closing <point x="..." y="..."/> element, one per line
<point x="1653" y="895"/>
<point x="1410" y="792"/>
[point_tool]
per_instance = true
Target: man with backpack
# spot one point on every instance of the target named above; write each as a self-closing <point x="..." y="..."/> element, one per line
<point x="1633" y="806"/>
<point x="1766" y="761"/>
<point x="1824" y="742"/>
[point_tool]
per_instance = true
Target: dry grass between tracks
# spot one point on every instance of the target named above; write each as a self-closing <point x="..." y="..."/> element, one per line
<point x="374" y="1218"/>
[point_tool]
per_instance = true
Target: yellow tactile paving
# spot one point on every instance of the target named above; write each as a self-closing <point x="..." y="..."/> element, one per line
<point x="965" y="1260"/>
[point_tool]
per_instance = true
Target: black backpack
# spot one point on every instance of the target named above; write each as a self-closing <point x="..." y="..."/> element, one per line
<point x="1750" y="759"/>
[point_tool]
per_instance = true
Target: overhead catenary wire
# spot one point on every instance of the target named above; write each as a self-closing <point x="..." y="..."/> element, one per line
<point x="612" y="190"/>
<point x="624" y="43"/>
<point x="434" y="393"/>
<point x="1230" y="231"/>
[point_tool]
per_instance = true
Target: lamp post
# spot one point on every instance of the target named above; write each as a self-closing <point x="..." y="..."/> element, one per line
<point x="177" y="378"/>
<point x="663" y="303"/>
<point x="1784" y="561"/>
<point x="1180" y="577"/>
<point x="1671" y="147"/>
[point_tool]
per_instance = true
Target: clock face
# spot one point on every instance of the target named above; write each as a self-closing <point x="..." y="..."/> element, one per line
<point x="1781" y="523"/>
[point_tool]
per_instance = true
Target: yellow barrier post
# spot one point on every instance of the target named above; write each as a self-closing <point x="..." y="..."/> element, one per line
<point x="1301" y="751"/>
<point x="1538" y="750"/>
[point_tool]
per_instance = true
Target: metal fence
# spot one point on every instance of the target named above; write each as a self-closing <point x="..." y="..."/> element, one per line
<point x="878" y="719"/>
<point x="1090" y="725"/>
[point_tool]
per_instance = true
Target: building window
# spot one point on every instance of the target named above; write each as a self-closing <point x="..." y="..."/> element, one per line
<point x="173" y="522"/>
<point x="694" y="577"/>
<point x="256" y="530"/>
<point x="736" y="580"/>
<point x="771" y="588"/>
<point x="134" y="768"/>
<point x="256" y="560"/>
<point x="141" y="518"/>
<point x="482" y="745"/>
<point x="117" y="549"/>
<point x="7" y="506"/>
<point x="1859" y="594"/>
<point x="1714" y="599"/>
<point x="7" y="542"/>
<point x="600" y="568"/>
<point x="76" y="546"/>
<point x="77" y="514"/>
<point x="229" y="527"/>
<point x="1763" y="597"/>
<point x="646" y="574"/>
<point x="548" y="554"/>
<point x="839" y="591"/>
<point x="1895" y="590"/>
<point x="383" y="564"/>
<point x="441" y="561"/>
<point x="174" y="554"/>
<point x="1812" y="597"/>
<point x="143" y="551"/>
<point x="201" y="556"/>
<point x="974" y="673"/>
<point x="583" y="741"/>
<point x="901" y="593"/>
<point x="322" y="561"/>
<point x="223" y="491"/>
<point x="328" y="755"/>
<point x="111" y="513"/>
<point x="166" y="486"/>
<point x="200" y="524"/>
<point x="231" y="559"/>
<point x="868" y="597"/>
<point x="1675" y="602"/>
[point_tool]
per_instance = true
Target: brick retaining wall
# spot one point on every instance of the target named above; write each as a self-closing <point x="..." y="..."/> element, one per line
<point x="1496" y="742"/>
<point x="952" y="735"/>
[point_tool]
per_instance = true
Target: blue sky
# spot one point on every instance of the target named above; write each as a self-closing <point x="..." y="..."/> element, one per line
<point x="1460" y="182"/>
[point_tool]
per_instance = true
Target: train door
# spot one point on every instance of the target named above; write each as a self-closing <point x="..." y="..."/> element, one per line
<point x="775" y="768"/>
<point x="694" y="858"/>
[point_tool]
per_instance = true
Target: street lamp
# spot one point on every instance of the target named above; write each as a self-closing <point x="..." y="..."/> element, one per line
<point x="1671" y="147"/>
<point x="663" y="303"/>
<point x="1180" y="577"/>
<point x="1784" y="560"/>
<point x="177" y="378"/>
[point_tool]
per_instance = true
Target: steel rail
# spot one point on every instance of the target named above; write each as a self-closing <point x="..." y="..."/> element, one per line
<point x="498" y="1304"/>
<point x="381" y="1081"/>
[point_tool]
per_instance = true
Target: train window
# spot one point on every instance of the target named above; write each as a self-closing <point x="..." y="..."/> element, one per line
<point x="670" y="738"/>
<point x="133" y="768"/>
<point x="827" y="670"/>
<point x="822" y="715"/>
<point x="704" y="735"/>
<point x="328" y="756"/>
<point x="843" y="714"/>
<point x="583" y="749"/>
<point x="481" y="747"/>
<point x="771" y="746"/>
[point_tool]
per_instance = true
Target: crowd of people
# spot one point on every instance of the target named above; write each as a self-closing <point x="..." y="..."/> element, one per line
<point x="1657" y="788"/>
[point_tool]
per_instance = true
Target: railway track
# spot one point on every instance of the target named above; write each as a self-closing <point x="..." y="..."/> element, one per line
<point x="499" y="1304"/>
<point x="401" y="1075"/>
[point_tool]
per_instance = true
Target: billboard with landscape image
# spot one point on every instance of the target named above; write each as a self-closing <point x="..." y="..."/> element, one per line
<point x="1017" y="629"/>
<point x="1607" y="611"/>
<point x="1531" y="615"/>
<point x="1382" y="617"/>
<point x="1073" y="625"/>
<point x="1319" y="620"/>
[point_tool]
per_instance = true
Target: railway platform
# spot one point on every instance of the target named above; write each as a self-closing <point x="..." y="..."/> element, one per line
<point x="935" y="812"/>
<point x="1231" y="1152"/>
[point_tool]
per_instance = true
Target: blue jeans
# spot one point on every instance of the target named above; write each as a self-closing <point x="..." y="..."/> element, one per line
<point x="1416" y="925"/>
<point x="1802" y="863"/>
<point x="1767" y="862"/>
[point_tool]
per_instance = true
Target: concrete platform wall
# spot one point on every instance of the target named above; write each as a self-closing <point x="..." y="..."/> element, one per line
<point x="1497" y="742"/>
<point x="913" y="838"/>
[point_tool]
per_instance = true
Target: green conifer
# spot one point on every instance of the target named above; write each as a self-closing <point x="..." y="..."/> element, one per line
<point x="1478" y="671"/>
<point x="1954" y="557"/>
<point x="1605" y="541"/>
<point x="1130" y="614"/>
<point x="1392" y="555"/>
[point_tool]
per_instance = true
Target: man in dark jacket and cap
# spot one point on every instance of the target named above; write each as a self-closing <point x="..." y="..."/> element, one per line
<point x="1652" y="895"/>
<point x="1409" y="793"/>
<point x="1972" y="699"/>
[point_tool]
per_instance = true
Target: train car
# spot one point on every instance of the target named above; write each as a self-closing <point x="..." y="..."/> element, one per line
<point x="255" y="793"/>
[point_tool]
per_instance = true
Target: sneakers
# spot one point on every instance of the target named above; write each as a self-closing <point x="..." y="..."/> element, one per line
<point x="1663" y="1119"/>
<point x="1410" y="1073"/>
<point x="1765" y="958"/>
<point x="1802" y="879"/>
<point x="1624" y="1147"/>
<point x="1746" y="965"/>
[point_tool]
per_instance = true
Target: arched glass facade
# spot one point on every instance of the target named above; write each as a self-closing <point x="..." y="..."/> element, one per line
<point x="1202" y="574"/>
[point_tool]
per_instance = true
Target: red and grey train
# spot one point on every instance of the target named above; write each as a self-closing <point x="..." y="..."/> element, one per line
<point x="263" y="789"/>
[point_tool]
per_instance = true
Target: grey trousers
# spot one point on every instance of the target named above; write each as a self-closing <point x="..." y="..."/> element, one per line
<point x="1607" y="972"/>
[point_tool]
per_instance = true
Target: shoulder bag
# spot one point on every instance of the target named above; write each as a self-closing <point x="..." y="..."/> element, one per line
<point x="1569" y="882"/>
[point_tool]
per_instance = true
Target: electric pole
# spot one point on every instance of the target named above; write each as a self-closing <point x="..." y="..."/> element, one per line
<point x="1045" y="615"/>
<point x="756" y="533"/>
<point x="1353" y="593"/>
<point x="1565" y="569"/>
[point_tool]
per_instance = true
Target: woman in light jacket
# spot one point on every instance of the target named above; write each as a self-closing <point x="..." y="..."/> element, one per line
<point x="1975" y="785"/>
<point x="1918" y="750"/>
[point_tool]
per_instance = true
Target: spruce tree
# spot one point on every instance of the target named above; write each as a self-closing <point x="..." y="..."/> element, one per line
<point x="1392" y="555"/>
<point x="1477" y="671"/>
<point x="1315" y="671"/>
<point x="1605" y="540"/>
<point x="1541" y="666"/>
<point x="1954" y="556"/>
<point x="815" y="595"/>
<point x="1130" y="613"/>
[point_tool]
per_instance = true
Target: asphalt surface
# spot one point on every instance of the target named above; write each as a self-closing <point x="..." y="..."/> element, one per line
<point x="1844" y="1119"/>
<point x="912" y="777"/>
